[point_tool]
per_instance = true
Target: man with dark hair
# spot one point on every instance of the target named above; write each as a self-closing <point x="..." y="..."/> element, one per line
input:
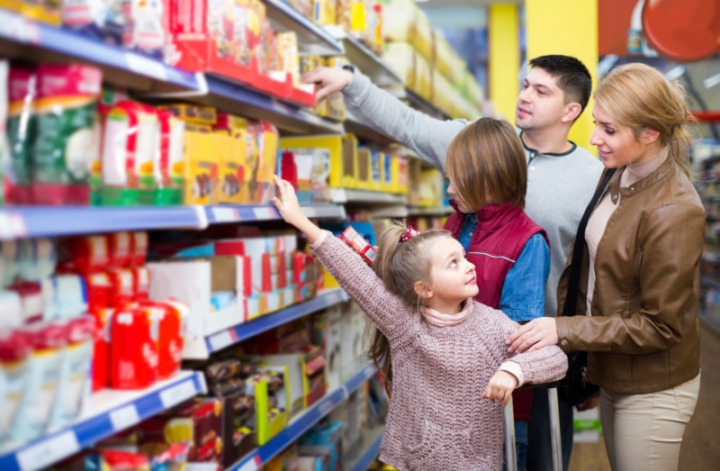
<point x="561" y="177"/>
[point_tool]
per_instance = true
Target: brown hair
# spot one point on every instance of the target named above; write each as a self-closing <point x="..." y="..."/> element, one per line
<point x="638" y="96"/>
<point x="487" y="160"/>
<point x="400" y="266"/>
<point x="573" y="78"/>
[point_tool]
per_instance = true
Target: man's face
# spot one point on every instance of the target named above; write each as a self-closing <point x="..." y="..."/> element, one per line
<point x="541" y="103"/>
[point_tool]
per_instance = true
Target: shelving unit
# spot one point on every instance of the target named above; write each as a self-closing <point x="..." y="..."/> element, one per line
<point x="344" y="196"/>
<point x="39" y="221"/>
<point x="302" y="423"/>
<point x="370" y="439"/>
<point x="233" y="335"/>
<point x="312" y="39"/>
<point x="109" y="412"/>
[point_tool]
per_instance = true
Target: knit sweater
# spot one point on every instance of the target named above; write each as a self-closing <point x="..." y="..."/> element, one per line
<point x="437" y="419"/>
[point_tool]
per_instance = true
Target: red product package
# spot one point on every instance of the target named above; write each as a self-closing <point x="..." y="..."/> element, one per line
<point x="83" y="255"/>
<point x="141" y="283"/>
<point x="99" y="291"/>
<point x="139" y="248"/>
<point x="120" y="249"/>
<point x="133" y="351"/>
<point x="359" y="244"/>
<point x="172" y="319"/>
<point x="123" y="286"/>
<point x="101" y="349"/>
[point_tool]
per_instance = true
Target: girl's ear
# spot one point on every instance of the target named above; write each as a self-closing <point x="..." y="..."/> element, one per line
<point x="423" y="290"/>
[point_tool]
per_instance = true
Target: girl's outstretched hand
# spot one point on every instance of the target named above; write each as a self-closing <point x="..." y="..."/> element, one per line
<point x="289" y="208"/>
<point x="500" y="387"/>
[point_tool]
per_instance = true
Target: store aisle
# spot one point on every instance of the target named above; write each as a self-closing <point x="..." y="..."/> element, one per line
<point x="701" y="445"/>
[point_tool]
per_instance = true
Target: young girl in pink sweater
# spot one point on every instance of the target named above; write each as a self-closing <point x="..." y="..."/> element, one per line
<point x="451" y="372"/>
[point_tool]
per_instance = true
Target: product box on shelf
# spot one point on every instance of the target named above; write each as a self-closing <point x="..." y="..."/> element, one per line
<point x="272" y="401"/>
<point x="324" y="438"/>
<point x="343" y="156"/>
<point x="233" y="40"/>
<point x="199" y="423"/>
<point x="326" y="334"/>
<point x="198" y="283"/>
<point x="352" y="327"/>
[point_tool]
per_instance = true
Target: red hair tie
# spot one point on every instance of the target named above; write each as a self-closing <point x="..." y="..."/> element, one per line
<point x="409" y="234"/>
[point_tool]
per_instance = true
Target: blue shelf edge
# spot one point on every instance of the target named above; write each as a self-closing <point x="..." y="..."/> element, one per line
<point x="297" y="427"/>
<point x="15" y="27"/>
<point x="54" y="221"/>
<point x="369" y="456"/>
<point x="246" y="330"/>
<point x="111" y="419"/>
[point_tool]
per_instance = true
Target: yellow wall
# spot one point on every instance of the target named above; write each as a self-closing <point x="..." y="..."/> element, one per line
<point x="567" y="27"/>
<point x="504" y="58"/>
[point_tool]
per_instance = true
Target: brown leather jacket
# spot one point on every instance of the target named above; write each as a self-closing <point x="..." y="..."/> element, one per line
<point x="644" y="333"/>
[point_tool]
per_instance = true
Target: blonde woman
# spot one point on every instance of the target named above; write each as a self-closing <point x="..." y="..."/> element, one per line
<point x="638" y="292"/>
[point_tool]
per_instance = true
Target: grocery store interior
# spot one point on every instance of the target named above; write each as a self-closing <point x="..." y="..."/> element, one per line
<point x="157" y="313"/>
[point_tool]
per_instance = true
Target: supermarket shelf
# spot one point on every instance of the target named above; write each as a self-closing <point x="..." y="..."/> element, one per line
<point x="394" y="211"/>
<point x="312" y="39"/>
<point x="364" y="59"/>
<point x="370" y="438"/>
<point x="343" y="195"/>
<point x="434" y="211"/>
<point x="109" y="412"/>
<point x="254" y="327"/>
<point x="22" y="38"/>
<point x="365" y="132"/>
<point x="45" y="221"/>
<point x="42" y="221"/>
<point x="256" y="459"/>
<point x="236" y="98"/>
<point x="421" y="104"/>
<point x="238" y="213"/>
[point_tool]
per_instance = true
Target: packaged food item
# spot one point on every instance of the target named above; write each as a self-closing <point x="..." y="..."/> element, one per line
<point x="43" y="376"/>
<point x="4" y="148"/>
<point x="31" y="299"/>
<point x="21" y="129"/>
<point x="233" y="135"/>
<point x="123" y="286"/>
<point x="47" y="11"/>
<point x="67" y="138"/>
<point x="70" y="296"/>
<point x="133" y="351"/>
<point x="15" y="348"/>
<point x="139" y="248"/>
<point x="170" y="169"/>
<point x="119" y="249"/>
<point x="144" y="32"/>
<point x="101" y="19"/>
<point x="130" y="149"/>
<point x="141" y="283"/>
<point x="83" y="255"/>
<point x="75" y="381"/>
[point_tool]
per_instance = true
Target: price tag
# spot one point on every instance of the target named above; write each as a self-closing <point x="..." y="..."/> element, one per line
<point x="48" y="451"/>
<point x="225" y="214"/>
<point x="221" y="340"/>
<point x="124" y="417"/>
<point x="145" y="66"/>
<point x="177" y="394"/>
<point x="252" y="464"/>
<point x="265" y="213"/>
<point x="326" y="407"/>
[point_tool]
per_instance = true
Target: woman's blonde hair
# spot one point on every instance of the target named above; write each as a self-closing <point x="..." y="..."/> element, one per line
<point x="638" y="96"/>
<point x="487" y="160"/>
<point x="400" y="265"/>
